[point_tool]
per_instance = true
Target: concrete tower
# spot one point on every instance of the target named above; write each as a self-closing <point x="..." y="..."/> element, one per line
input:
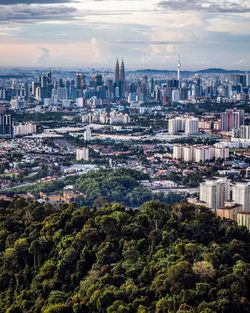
<point x="179" y="71"/>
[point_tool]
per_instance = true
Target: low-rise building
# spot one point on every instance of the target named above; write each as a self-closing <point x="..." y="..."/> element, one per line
<point x="230" y="210"/>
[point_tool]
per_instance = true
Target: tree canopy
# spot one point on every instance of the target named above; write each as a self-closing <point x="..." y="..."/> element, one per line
<point x="158" y="258"/>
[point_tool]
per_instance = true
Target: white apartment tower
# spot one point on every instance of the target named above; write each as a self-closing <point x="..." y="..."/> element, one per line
<point x="189" y="125"/>
<point x="177" y="152"/>
<point x="188" y="153"/>
<point x="241" y="195"/>
<point x="82" y="154"/>
<point x="87" y="134"/>
<point x="192" y="126"/>
<point x="199" y="153"/>
<point x="215" y="192"/>
<point x="176" y="125"/>
<point x="245" y="132"/>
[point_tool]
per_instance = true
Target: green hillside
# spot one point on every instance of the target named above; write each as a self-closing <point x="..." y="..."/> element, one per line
<point x="155" y="259"/>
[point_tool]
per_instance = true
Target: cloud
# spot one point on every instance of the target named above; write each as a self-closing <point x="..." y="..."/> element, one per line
<point x="220" y="6"/>
<point x="15" y="2"/>
<point x="43" y="56"/>
<point x="25" y="13"/>
<point x="145" y="42"/>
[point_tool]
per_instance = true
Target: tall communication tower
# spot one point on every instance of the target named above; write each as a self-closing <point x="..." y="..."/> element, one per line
<point x="179" y="72"/>
<point x="179" y="68"/>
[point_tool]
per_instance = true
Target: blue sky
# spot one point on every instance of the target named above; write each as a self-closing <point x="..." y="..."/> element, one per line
<point x="146" y="33"/>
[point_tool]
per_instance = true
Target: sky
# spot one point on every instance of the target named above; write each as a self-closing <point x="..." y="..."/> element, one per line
<point x="145" y="33"/>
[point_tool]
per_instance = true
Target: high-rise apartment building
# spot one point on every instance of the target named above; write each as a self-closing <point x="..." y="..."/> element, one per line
<point x="189" y="125"/>
<point x="243" y="219"/>
<point x="82" y="154"/>
<point x="241" y="195"/>
<point x="24" y="129"/>
<point x="231" y="119"/>
<point x="188" y="153"/>
<point x="178" y="152"/>
<point x="199" y="153"/>
<point x="192" y="126"/>
<point x="6" y="127"/>
<point x="215" y="192"/>
<point x="176" y="125"/>
<point x="87" y="134"/>
<point x="245" y="132"/>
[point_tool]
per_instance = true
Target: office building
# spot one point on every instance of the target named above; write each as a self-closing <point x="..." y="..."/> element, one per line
<point x="175" y="96"/>
<point x="117" y="73"/>
<point x="122" y="79"/>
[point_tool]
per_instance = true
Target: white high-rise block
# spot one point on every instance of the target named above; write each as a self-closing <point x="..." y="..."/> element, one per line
<point x="241" y="195"/>
<point x="215" y="192"/>
<point x="82" y="154"/>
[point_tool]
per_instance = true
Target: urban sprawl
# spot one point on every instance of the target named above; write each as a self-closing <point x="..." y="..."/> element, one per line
<point x="189" y="132"/>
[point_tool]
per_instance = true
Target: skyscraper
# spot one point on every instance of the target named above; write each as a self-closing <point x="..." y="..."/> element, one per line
<point x="122" y="72"/>
<point x="117" y="73"/>
<point x="44" y="86"/>
<point x="122" y="79"/>
<point x="79" y="81"/>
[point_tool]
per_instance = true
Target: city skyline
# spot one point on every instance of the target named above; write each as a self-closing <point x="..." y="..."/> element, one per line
<point x="147" y="34"/>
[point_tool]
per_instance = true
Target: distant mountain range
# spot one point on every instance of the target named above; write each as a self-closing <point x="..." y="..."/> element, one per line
<point x="16" y="73"/>
<point x="205" y="71"/>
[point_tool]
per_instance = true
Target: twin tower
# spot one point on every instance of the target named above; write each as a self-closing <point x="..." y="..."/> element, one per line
<point x="119" y="72"/>
<point x="119" y="78"/>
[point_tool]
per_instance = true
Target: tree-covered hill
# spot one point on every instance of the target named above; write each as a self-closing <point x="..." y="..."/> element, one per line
<point x="105" y="185"/>
<point x="155" y="259"/>
<point x="120" y="185"/>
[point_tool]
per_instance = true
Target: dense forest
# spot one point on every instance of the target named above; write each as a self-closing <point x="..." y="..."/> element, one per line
<point x="159" y="259"/>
